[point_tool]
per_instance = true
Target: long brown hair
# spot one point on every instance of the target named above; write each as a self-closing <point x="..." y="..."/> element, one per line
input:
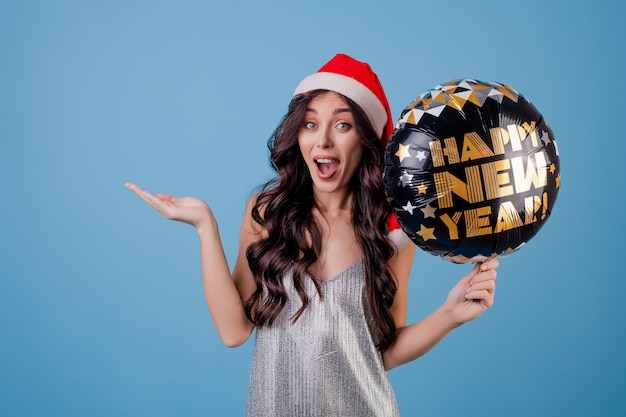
<point x="284" y="210"/>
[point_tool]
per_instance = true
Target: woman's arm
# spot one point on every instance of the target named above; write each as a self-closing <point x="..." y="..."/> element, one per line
<point x="400" y="265"/>
<point x="224" y="292"/>
<point x="471" y="296"/>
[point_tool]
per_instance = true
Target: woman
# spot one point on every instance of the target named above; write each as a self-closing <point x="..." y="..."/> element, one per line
<point x="317" y="274"/>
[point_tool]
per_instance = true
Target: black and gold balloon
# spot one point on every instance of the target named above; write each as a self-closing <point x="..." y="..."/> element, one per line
<point x="472" y="170"/>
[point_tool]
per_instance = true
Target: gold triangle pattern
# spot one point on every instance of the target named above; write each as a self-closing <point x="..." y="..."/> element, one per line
<point x="456" y="94"/>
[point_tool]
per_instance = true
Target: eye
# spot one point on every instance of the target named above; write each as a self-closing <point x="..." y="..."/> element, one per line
<point x="310" y="125"/>
<point x="344" y="125"/>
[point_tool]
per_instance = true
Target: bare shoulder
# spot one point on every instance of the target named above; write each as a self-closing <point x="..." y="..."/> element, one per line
<point x="402" y="261"/>
<point x="249" y="225"/>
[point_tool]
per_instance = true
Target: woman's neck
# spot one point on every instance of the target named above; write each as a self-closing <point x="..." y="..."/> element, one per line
<point x="333" y="203"/>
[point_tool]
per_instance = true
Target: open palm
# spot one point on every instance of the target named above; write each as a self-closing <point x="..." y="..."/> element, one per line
<point x="189" y="210"/>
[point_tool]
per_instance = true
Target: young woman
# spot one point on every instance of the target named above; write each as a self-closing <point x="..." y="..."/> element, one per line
<point x="317" y="274"/>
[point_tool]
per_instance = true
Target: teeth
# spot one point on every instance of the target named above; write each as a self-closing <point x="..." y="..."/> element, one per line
<point x="324" y="161"/>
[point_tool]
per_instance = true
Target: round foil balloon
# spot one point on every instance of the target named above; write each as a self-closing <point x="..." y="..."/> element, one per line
<point x="472" y="170"/>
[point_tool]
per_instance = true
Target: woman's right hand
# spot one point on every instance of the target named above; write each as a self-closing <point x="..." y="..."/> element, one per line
<point x="188" y="210"/>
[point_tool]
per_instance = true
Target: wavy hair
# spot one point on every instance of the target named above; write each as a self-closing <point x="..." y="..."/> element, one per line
<point x="284" y="208"/>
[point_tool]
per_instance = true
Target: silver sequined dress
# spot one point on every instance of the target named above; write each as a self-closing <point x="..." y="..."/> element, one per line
<point x="326" y="363"/>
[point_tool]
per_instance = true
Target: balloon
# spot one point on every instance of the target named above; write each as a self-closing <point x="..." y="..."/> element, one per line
<point x="472" y="170"/>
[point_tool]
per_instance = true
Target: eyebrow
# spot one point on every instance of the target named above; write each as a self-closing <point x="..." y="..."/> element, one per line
<point x="336" y="111"/>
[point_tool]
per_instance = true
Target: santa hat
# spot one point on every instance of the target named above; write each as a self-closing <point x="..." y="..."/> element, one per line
<point x="356" y="80"/>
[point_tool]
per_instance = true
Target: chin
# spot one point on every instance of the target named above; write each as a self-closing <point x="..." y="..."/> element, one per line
<point x="328" y="187"/>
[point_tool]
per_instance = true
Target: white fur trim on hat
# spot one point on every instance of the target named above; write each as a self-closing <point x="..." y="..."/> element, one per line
<point x="399" y="238"/>
<point x="350" y="88"/>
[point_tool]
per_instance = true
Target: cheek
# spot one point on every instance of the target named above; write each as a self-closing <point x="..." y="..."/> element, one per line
<point x="357" y="151"/>
<point x="356" y="158"/>
<point x="304" y="143"/>
<point x="301" y="146"/>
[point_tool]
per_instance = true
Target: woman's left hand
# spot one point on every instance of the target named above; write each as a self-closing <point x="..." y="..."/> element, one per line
<point x="474" y="293"/>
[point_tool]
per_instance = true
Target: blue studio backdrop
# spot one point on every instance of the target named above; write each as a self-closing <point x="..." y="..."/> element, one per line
<point x="102" y="311"/>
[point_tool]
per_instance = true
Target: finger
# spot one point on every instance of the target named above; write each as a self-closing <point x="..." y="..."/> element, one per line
<point x="143" y="194"/>
<point x="167" y="197"/>
<point x="485" y="297"/>
<point x="489" y="264"/>
<point x="162" y="206"/>
<point x="133" y="187"/>
<point x="489" y="285"/>
<point x="485" y="276"/>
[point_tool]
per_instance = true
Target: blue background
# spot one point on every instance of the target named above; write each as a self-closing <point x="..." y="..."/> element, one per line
<point x="102" y="311"/>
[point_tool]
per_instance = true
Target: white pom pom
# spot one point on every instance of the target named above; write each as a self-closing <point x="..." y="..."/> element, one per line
<point x="398" y="238"/>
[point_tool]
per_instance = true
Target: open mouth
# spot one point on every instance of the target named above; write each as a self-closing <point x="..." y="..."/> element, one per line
<point x="326" y="167"/>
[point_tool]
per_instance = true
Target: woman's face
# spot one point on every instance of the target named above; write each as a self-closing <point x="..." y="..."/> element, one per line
<point x="330" y="143"/>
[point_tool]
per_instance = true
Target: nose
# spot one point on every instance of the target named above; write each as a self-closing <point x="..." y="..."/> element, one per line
<point x="324" y="140"/>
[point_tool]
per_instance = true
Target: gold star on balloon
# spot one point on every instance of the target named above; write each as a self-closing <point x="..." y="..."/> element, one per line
<point x="558" y="181"/>
<point x="422" y="188"/>
<point x="427" y="233"/>
<point x="552" y="168"/>
<point x="429" y="211"/>
<point x="403" y="152"/>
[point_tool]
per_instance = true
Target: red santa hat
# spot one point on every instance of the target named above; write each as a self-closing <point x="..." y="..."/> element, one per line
<point x="356" y="80"/>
